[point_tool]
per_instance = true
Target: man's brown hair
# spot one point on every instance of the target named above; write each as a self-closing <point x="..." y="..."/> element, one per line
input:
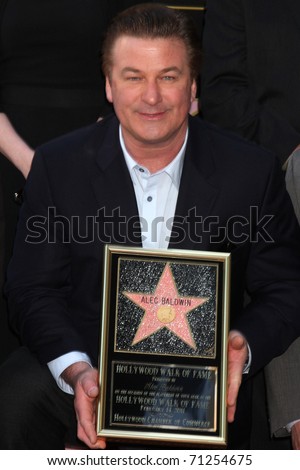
<point x="153" y="20"/>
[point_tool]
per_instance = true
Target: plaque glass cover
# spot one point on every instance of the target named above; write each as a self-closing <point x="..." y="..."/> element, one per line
<point x="163" y="352"/>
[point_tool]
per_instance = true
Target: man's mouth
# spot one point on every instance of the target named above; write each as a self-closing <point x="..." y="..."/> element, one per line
<point x="152" y="116"/>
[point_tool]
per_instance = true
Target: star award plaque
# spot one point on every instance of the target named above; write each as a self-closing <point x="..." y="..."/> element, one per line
<point x="163" y="354"/>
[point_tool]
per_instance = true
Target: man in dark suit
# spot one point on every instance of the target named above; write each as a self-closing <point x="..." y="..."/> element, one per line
<point x="95" y="186"/>
<point x="250" y="85"/>
<point x="250" y="76"/>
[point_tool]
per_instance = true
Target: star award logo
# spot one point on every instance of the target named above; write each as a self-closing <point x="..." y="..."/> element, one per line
<point x="166" y="309"/>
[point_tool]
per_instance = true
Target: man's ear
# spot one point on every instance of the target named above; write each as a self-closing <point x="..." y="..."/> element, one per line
<point x="193" y="90"/>
<point x="108" y="90"/>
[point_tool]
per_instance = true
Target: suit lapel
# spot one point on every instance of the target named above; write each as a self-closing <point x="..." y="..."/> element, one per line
<point x="197" y="194"/>
<point x="114" y="193"/>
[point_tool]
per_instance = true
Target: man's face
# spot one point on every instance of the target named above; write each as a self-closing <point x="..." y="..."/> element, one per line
<point x="151" y="89"/>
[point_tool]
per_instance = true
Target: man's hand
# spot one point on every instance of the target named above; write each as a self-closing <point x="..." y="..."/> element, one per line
<point x="295" y="436"/>
<point x="237" y="356"/>
<point x="84" y="381"/>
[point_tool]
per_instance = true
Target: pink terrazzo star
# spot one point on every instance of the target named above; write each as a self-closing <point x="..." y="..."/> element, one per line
<point x="165" y="309"/>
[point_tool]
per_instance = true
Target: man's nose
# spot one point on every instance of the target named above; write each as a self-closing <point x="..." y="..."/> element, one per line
<point x="151" y="93"/>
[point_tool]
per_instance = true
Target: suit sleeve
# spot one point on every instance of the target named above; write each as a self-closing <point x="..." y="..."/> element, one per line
<point x="227" y="96"/>
<point x="292" y="179"/>
<point x="282" y="384"/>
<point x="39" y="275"/>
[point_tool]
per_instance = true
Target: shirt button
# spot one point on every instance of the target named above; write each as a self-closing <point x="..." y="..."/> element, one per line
<point x="142" y="170"/>
<point x="149" y="198"/>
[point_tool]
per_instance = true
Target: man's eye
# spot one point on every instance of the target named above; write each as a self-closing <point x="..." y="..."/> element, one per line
<point x="168" y="78"/>
<point x="133" y="79"/>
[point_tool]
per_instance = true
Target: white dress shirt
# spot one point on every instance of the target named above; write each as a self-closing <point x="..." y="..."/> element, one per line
<point x="156" y="195"/>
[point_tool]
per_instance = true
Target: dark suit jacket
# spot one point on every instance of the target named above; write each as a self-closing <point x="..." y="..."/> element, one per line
<point x="80" y="181"/>
<point x="283" y="378"/>
<point x="251" y="69"/>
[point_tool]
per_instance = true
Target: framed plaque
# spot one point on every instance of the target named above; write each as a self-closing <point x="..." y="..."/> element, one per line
<point x="163" y="352"/>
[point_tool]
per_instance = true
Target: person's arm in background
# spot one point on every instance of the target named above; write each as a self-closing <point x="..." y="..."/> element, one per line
<point x="291" y="358"/>
<point x="13" y="147"/>
<point x="282" y="383"/>
<point x="292" y="180"/>
<point x="227" y="98"/>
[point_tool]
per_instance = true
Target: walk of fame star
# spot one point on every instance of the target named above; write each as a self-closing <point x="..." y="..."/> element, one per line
<point x="165" y="308"/>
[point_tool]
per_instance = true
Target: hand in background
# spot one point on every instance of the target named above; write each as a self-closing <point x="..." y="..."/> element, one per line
<point x="13" y="147"/>
<point x="295" y="436"/>
<point x="24" y="163"/>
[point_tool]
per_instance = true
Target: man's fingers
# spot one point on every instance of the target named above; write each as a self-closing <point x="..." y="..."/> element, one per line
<point x="237" y="355"/>
<point x="234" y="382"/>
<point x="92" y="391"/>
<point x="90" y="385"/>
<point x="87" y="435"/>
<point x="237" y="341"/>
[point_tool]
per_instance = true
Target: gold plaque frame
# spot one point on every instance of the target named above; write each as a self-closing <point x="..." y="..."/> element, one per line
<point x="163" y="351"/>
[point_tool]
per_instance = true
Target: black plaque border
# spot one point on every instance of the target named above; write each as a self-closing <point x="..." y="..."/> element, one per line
<point x="108" y="354"/>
